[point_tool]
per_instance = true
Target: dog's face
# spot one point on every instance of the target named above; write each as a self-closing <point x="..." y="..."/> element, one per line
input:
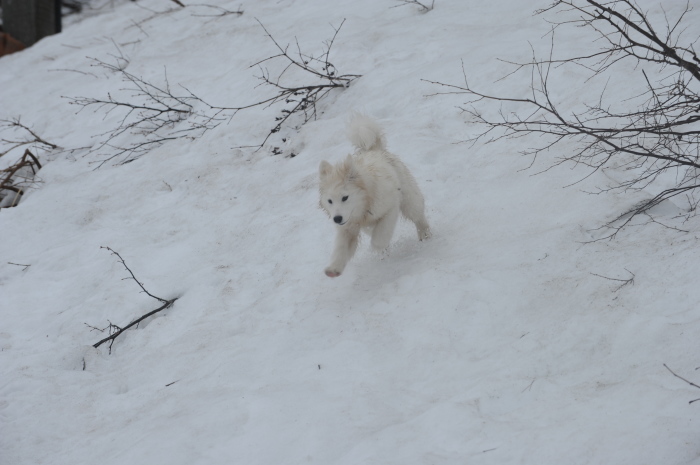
<point x="343" y="195"/>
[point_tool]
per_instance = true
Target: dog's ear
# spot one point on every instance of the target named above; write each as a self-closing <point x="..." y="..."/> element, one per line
<point x="324" y="169"/>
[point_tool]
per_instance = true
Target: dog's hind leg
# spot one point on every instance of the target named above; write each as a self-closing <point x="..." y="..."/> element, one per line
<point x="413" y="209"/>
<point x="384" y="229"/>
<point x="422" y="226"/>
<point x="413" y="204"/>
<point x="423" y="229"/>
<point x="345" y="247"/>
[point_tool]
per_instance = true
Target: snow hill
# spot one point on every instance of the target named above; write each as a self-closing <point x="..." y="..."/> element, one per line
<point x="498" y="341"/>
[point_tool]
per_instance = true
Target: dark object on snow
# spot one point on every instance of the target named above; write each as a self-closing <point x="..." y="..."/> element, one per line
<point x="31" y="20"/>
<point x="12" y="179"/>
<point x="9" y="44"/>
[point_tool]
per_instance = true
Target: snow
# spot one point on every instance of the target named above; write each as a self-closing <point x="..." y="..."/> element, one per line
<point x="492" y="343"/>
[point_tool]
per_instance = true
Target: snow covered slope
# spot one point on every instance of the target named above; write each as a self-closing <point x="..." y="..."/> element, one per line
<point x="492" y="343"/>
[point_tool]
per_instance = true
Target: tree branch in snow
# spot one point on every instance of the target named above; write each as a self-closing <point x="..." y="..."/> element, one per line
<point x="624" y="282"/>
<point x="682" y="378"/>
<point x="214" y="11"/>
<point x="15" y="178"/>
<point x="20" y="264"/>
<point x="424" y="7"/>
<point x="156" y="13"/>
<point x="27" y="137"/>
<point x="217" y="12"/>
<point x="659" y="135"/>
<point x="114" y="330"/>
<point x="299" y="101"/>
<point x="153" y="114"/>
<point x="150" y="115"/>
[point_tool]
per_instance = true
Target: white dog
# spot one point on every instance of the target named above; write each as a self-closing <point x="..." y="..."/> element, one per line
<point x="367" y="191"/>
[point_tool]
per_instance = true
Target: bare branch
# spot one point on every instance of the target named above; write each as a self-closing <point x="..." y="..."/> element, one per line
<point x="299" y="100"/>
<point x="20" y="264"/>
<point x="624" y="282"/>
<point x="219" y="11"/>
<point x="121" y="260"/>
<point x="149" y="116"/>
<point x="114" y="330"/>
<point x="152" y="114"/>
<point x="424" y="7"/>
<point x="682" y="378"/>
<point x="17" y="176"/>
<point x="660" y="132"/>
<point x="30" y="138"/>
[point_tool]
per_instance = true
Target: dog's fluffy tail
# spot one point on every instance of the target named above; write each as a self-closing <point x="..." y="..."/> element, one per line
<point x="365" y="133"/>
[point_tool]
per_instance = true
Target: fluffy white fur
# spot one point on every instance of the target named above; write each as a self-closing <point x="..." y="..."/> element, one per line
<point x="367" y="191"/>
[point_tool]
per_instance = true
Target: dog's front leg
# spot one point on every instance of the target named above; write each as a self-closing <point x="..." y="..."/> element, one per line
<point x="384" y="229"/>
<point x="345" y="247"/>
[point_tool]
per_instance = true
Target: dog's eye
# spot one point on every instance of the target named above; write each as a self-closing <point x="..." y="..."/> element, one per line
<point x="345" y="198"/>
<point x="330" y="201"/>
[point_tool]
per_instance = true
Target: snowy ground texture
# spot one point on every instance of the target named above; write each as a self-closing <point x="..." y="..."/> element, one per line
<point x="492" y="343"/>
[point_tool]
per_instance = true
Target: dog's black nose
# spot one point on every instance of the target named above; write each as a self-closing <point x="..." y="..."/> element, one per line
<point x="338" y="219"/>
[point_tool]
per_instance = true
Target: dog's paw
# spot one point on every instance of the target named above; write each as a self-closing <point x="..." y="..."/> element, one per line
<point x="331" y="273"/>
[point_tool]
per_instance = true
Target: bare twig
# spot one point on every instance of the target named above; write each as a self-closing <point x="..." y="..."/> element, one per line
<point x="72" y="71"/>
<point x="31" y="139"/>
<point x="624" y="282"/>
<point x="19" y="264"/>
<point x="114" y="330"/>
<point x="299" y="100"/>
<point x="682" y="378"/>
<point x="95" y="328"/>
<point x="153" y="114"/>
<point x="659" y="134"/>
<point x="424" y="8"/>
<point x="121" y="260"/>
<point x="218" y="11"/>
<point x="16" y="176"/>
<point x="529" y="386"/>
<point x="155" y="14"/>
<point x="149" y="116"/>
